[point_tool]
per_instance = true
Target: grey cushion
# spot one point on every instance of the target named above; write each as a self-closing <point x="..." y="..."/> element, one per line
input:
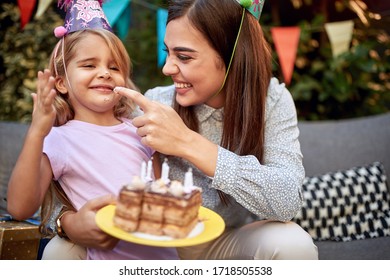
<point x="11" y="141"/>
<point x="328" y="146"/>
<point x="338" y="145"/>
<point x="367" y="249"/>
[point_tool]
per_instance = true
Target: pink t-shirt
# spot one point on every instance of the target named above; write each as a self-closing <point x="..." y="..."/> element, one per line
<point x="90" y="161"/>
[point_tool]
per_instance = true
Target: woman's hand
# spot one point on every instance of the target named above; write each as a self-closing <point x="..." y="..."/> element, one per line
<point x="162" y="129"/>
<point x="81" y="228"/>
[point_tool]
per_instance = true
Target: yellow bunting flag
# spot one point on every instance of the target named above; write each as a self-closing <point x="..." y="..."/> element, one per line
<point x="42" y="7"/>
<point x="286" y="41"/>
<point x="340" y="36"/>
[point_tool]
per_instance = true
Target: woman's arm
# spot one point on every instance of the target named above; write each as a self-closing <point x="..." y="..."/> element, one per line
<point x="162" y="129"/>
<point x="271" y="190"/>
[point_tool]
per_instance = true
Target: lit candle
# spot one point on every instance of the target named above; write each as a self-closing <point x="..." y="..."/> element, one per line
<point x="188" y="180"/>
<point x="149" y="171"/>
<point x="165" y="171"/>
<point x="143" y="171"/>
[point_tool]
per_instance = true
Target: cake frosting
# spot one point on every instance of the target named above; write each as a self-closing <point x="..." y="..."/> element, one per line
<point x="160" y="207"/>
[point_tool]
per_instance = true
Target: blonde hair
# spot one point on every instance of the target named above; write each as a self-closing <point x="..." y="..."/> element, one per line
<point x="65" y="51"/>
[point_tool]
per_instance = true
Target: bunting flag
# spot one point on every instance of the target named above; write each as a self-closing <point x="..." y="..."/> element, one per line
<point x="286" y="41"/>
<point x="162" y="16"/>
<point x="42" y="7"/>
<point x="340" y="36"/>
<point x="118" y="15"/>
<point x="26" y="9"/>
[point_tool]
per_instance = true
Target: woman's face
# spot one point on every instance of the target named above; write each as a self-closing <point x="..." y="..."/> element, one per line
<point x="195" y="67"/>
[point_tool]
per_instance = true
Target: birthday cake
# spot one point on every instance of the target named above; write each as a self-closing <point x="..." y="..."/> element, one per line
<point x="159" y="207"/>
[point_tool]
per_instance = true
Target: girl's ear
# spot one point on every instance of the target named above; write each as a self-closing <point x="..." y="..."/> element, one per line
<point x="60" y="85"/>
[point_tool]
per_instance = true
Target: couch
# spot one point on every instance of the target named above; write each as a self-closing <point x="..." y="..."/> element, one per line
<point x="333" y="146"/>
<point x="328" y="147"/>
<point x="11" y="140"/>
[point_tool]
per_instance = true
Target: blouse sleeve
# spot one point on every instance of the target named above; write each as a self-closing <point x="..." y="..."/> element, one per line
<point x="271" y="190"/>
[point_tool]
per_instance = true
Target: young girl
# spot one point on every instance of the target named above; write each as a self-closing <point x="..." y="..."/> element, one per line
<point x="93" y="148"/>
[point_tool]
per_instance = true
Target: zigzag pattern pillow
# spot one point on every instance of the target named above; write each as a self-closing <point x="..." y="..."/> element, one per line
<point x="346" y="205"/>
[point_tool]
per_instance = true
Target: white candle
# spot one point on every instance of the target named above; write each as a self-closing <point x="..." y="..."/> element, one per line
<point x="188" y="180"/>
<point x="165" y="171"/>
<point x="143" y="171"/>
<point x="149" y="171"/>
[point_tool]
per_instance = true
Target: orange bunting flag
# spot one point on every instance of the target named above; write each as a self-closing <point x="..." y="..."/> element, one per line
<point x="286" y="41"/>
<point x="26" y="8"/>
<point x="340" y="36"/>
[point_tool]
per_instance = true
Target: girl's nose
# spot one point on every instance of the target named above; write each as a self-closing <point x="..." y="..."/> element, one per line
<point x="105" y="74"/>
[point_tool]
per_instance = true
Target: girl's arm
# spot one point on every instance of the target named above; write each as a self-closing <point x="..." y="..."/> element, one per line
<point x="29" y="180"/>
<point x="32" y="173"/>
<point x="81" y="227"/>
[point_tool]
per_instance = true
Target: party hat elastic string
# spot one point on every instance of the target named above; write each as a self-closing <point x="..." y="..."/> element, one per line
<point x="233" y="52"/>
<point x="61" y="42"/>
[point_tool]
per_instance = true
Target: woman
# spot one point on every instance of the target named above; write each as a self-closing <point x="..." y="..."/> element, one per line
<point x="233" y="124"/>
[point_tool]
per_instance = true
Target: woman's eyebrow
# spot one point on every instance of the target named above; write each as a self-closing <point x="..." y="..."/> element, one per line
<point x="183" y="49"/>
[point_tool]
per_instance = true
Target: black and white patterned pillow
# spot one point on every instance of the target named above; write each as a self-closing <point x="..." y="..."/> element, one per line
<point x="346" y="205"/>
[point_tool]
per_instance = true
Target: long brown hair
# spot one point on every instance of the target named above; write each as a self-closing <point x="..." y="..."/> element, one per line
<point x="247" y="83"/>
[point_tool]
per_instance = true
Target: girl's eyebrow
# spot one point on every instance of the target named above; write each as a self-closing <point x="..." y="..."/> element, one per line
<point x="88" y="59"/>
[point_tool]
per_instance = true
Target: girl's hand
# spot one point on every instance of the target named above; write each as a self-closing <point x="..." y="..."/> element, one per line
<point x="81" y="228"/>
<point x="44" y="113"/>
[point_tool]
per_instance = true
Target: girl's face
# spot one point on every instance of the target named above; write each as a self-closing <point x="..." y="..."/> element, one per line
<point x="195" y="67"/>
<point x="92" y="74"/>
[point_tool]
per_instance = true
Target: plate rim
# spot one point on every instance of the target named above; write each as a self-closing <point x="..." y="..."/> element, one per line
<point x="214" y="226"/>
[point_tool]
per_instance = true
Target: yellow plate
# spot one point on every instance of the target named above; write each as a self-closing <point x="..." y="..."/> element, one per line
<point x="210" y="226"/>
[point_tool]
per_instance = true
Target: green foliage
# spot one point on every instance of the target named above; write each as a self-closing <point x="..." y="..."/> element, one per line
<point x="23" y="53"/>
<point x="141" y="43"/>
<point x="354" y="84"/>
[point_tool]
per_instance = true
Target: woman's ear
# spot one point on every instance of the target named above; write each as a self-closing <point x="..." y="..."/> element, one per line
<point x="60" y="85"/>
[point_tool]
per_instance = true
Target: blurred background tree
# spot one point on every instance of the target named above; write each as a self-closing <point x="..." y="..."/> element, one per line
<point x="356" y="83"/>
<point x="353" y="84"/>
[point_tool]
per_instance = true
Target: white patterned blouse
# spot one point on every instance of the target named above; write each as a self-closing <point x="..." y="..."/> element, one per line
<point x="257" y="191"/>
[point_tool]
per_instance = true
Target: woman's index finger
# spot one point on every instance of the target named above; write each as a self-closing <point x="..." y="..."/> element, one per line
<point x="137" y="97"/>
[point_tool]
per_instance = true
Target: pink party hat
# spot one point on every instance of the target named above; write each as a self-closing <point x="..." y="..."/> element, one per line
<point x="82" y="14"/>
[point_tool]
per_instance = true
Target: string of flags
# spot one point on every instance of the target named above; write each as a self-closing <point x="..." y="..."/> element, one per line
<point x="286" y="39"/>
